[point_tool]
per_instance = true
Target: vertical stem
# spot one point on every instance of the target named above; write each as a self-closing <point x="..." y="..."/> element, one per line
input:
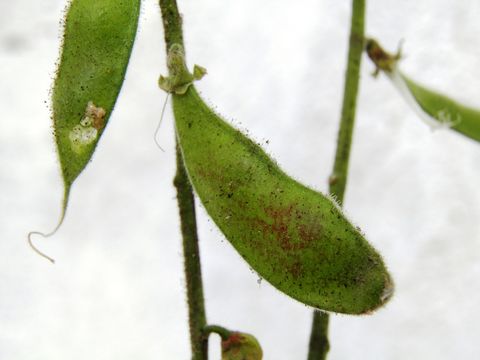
<point x="193" y="272"/>
<point x="338" y="179"/>
<point x="172" y="25"/>
<point x="319" y="345"/>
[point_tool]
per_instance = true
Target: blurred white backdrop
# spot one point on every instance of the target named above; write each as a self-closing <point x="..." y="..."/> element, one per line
<point x="276" y="68"/>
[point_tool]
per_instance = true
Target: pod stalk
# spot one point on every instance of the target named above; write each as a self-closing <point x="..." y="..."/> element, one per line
<point x="224" y="333"/>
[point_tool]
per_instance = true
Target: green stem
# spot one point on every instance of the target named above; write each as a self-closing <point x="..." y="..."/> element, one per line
<point x="191" y="254"/>
<point x="172" y="25"/>
<point x="319" y="345"/>
<point x="338" y="179"/>
<point x="193" y="272"/>
<point x="219" y="330"/>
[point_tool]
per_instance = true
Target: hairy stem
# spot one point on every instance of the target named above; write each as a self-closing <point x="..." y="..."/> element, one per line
<point x="338" y="179"/>
<point x="193" y="272"/>
<point x="219" y="330"/>
<point x="172" y="25"/>
<point x="319" y="344"/>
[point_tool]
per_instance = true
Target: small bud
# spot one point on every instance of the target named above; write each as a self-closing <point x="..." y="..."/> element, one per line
<point x="241" y="346"/>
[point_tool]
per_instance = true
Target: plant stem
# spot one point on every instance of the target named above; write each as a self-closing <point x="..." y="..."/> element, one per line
<point x="219" y="330"/>
<point x="338" y="179"/>
<point x="193" y="272"/>
<point x="172" y="25"/>
<point x="319" y="344"/>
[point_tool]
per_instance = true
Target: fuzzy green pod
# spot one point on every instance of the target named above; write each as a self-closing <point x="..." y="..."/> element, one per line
<point x="436" y="109"/>
<point x="294" y="237"/>
<point x="447" y="112"/>
<point x="97" y="42"/>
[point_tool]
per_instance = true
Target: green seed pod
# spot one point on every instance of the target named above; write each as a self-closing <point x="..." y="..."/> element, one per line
<point x="437" y="110"/>
<point x="97" y="41"/>
<point x="294" y="237"/>
<point x="241" y="346"/>
<point x="447" y="112"/>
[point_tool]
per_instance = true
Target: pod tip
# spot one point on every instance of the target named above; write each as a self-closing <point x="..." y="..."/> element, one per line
<point x="387" y="291"/>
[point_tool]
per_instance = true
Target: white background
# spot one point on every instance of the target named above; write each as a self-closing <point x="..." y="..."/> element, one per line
<point x="276" y="68"/>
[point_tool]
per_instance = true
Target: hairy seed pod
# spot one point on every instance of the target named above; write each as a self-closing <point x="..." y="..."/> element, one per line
<point x="294" y="237"/>
<point x="97" y="41"/>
